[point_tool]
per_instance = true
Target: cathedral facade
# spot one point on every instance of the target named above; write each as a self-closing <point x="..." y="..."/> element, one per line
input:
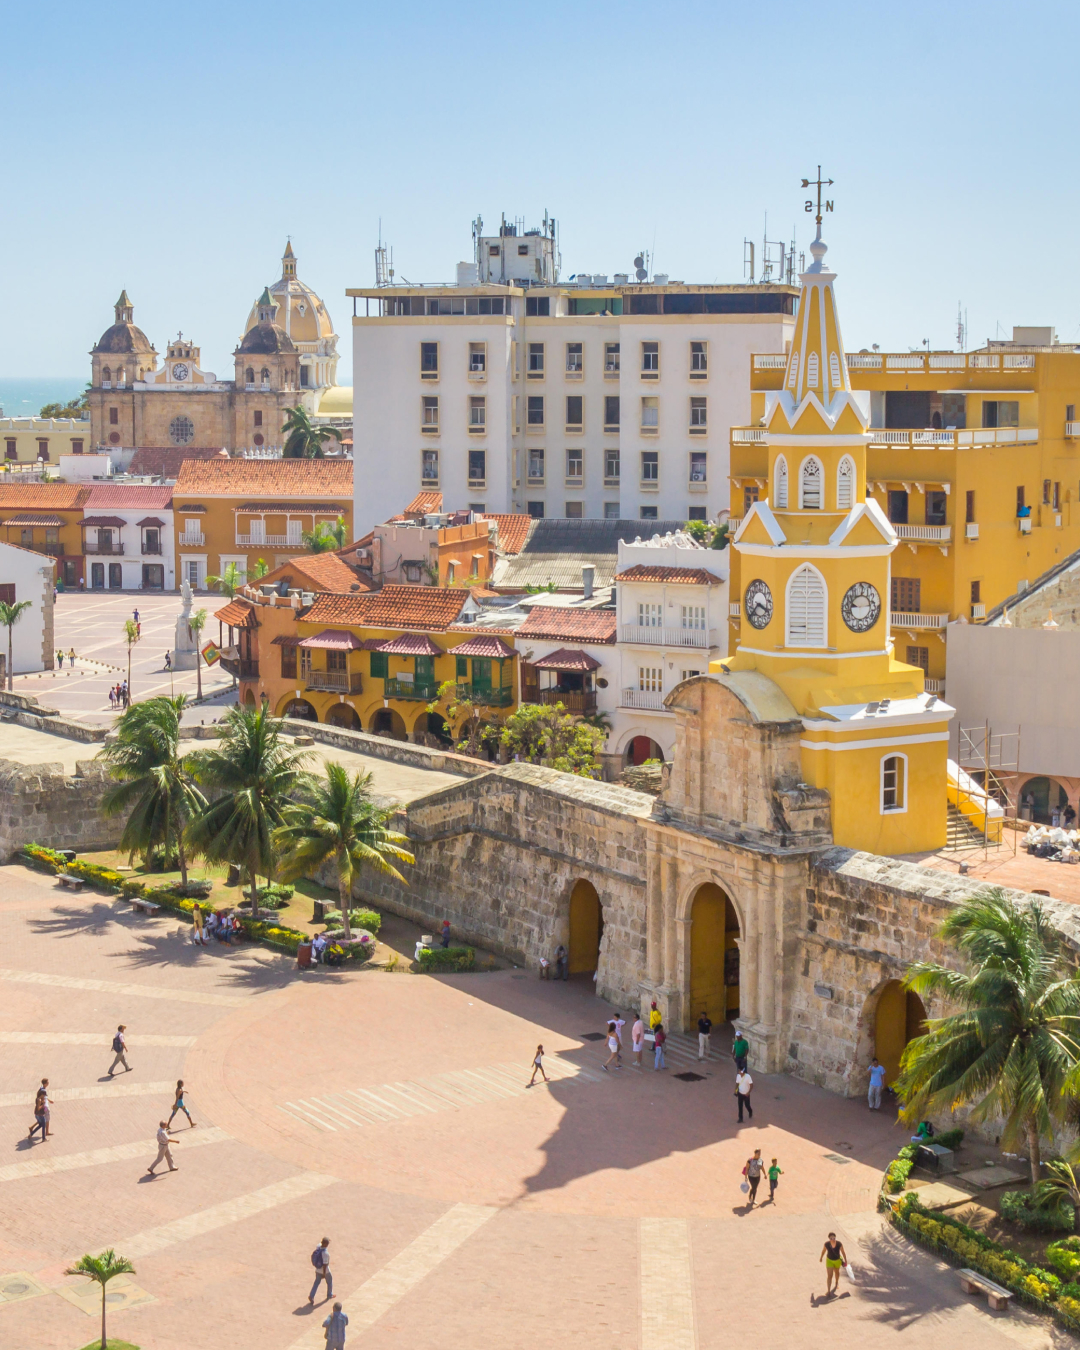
<point x="287" y="356"/>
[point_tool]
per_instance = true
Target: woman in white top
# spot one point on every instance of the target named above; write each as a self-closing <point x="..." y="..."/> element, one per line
<point x="613" y="1048"/>
<point x="538" y="1067"/>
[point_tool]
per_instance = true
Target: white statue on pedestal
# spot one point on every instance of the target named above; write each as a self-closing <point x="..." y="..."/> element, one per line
<point x="185" y="649"/>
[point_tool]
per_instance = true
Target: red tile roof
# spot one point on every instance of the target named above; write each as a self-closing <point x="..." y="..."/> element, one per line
<point x="411" y="644"/>
<point x="324" y="571"/>
<point x="294" y="479"/>
<point x="513" y="531"/>
<point x="44" y="496"/>
<point x="110" y="522"/>
<point x="428" y="608"/>
<point x="333" y="640"/>
<point x="149" y="521"/>
<point x="35" y="518"/>
<point x="130" y="496"/>
<point x="589" y="625"/>
<point x="423" y="504"/>
<point x="686" y="576"/>
<point x="567" y="658"/>
<point x="165" y="461"/>
<point x="485" y="645"/>
<point x="238" y="614"/>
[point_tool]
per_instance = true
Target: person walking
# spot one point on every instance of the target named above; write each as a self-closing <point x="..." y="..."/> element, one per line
<point x="135" y="614"/>
<point x="42" y="1114"/>
<point x="71" y="657"/>
<point x="620" y="1022"/>
<point x="335" y="1326"/>
<point x="119" y="1045"/>
<point x="320" y="1259"/>
<point x="561" y="963"/>
<point x="60" y="658"/>
<point x="198" y="932"/>
<point x="740" y="1049"/>
<point x="446" y="932"/>
<point x="774" y="1175"/>
<point x="637" y="1040"/>
<point x="835" y="1259"/>
<point x="744" y="1085"/>
<point x="613" y="1048"/>
<point x="168" y="659"/>
<point x="538" y="1066"/>
<point x="180" y="1105"/>
<point x="659" y="1041"/>
<point x="752" y="1172"/>
<point x="112" y="696"/>
<point x="877" y="1082"/>
<point x="164" y="1152"/>
<point x="704" y="1033"/>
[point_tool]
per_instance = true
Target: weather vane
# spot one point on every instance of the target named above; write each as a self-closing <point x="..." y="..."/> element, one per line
<point x="819" y="183"/>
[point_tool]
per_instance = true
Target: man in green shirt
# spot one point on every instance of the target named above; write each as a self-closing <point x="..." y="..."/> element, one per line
<point x="739" y="1051"/>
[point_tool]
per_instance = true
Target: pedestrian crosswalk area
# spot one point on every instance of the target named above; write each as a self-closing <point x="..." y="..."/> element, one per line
<point x="459" y="1090"/>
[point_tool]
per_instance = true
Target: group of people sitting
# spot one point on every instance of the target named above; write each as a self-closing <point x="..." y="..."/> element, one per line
<point x="221" y="925"/>
<point x="326" y="952"/>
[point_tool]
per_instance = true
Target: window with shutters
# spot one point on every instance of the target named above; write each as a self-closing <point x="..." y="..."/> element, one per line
<point x="905" y="596"/>
<point x="845" y="484"/>
<point x="749" y="497"/>
<point x="834" y="370"/>
<point x="810" y="484"/>
<point x="380" y="666"/>
<point x="651" y="679"/>
<point x="649" y="616"/>
<point x="893" y="784"/>
<point x="919" y="656"/>
<point x="288" y="663"/>
<point x="793" y="371"/>
<point x="780" y="478"/>
<point x="807" y="601"/>
<point x="693" y="616"/>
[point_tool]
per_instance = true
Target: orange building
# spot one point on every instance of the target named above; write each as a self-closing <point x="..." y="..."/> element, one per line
<point x="47" y="518"/>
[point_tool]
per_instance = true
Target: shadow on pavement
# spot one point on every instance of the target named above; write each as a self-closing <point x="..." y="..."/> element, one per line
<point x="68" y="922"/>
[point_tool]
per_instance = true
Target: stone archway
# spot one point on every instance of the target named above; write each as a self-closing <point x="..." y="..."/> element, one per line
<point x="389" y="722"/>
<point x="898" y="1018"/>
<point x="586" y="928"/>
<point x="640" y="748"/>
<point x="343" y="715"/>
<point x="714" y="956"/>
<point x="249" y="699"/>
<point x="431" y="729"/>
<point x="299" y="707"/>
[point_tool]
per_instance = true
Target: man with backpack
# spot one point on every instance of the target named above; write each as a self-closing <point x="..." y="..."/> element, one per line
<point x="119" y="1046"/>
<point x="320" y="1259"/>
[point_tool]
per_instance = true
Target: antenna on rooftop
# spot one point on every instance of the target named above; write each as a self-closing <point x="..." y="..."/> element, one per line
<point x="384" y="271"/>
<point x="748" y="260"/>
<point x="961" y="327"/>
<point x="770" y="263"/>
<point x="641" y="266"/>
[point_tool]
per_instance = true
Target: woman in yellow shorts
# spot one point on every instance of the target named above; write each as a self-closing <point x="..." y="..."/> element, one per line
<point x="835" y="1259"/>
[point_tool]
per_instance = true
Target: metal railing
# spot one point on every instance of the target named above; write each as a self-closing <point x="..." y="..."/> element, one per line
<point x="336" y="681"/>
<point x="192" y="540"/>
<point x="573" y="700"/>
<point x="397" y="688"/>
<point x="241" y="670"/>
<point x="926" y="534"/>
<point x="669" y="637"/>
<point x="488" y="698"/>
<point x="269" y="541"/>
<point x="113" y="549"/>
<point x="898" y="619"/>
<point x="650" y="699"/>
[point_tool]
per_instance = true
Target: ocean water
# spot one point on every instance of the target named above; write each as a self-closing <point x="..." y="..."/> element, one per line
<point x="26" y="398"/>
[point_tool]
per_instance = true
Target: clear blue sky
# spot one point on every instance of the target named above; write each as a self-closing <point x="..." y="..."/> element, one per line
<point x="170" y="149"/>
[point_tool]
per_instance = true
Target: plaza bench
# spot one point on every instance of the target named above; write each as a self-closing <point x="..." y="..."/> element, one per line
<point x="73" y="883"/>
<point x="146" y="906"/>
<point x="971" y="1282"/>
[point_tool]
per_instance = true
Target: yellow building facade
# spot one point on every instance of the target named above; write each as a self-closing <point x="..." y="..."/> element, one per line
<point x="33" y="441"/>
<point x="814" y="561"/>
<point x="972" y="456"/>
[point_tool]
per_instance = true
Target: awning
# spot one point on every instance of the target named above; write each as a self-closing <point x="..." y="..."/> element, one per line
<point x="110" y="522"/>
<point x="484" y="645"/>
<point x="190" y="510"/>
<point x="285" y="640"/>
<point x="410" y="644"/>
<point x="333" y="640"/>
<point x="35" y="518"/>
<point x="238" y="614"/>
<point x="567" y="658"/>
<point x="149" y="521"/>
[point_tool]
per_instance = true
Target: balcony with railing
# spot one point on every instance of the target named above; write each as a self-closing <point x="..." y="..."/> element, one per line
<point x="105" y="547"/>
<point x="53" y="550"/>
<point x="191" y="539"/>
<point x="269" y="541"/>
<point x="899" y="619"/>
<point x="924" y="534"/>
<point x="734" y="609"/>
<point x="927" y="438"/>
<point x="573" y="700"/>
<point x="668" y="637"/>
<point x="925" y="363"/>
<point x="650" y="700"/>
<point x="335" y="681"/>
<point x="394" y="687"/>
<point x="240" y="669"/>
<point x="486" y="697"/>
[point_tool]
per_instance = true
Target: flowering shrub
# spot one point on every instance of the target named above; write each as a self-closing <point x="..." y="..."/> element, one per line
<point x="436" y="960"/>
<point x="1063" y="1257"/>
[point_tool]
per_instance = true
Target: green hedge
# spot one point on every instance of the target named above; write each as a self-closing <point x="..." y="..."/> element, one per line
<point x="1063" y="1257"/>
<point x="434" y="960"/>
<point x="898" y="1171"/>
<point x="1018" y="1208"/>
<point x="366" y="919"/>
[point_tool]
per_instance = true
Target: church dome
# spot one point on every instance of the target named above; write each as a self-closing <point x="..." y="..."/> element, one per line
<point x="123" y="337"/>
<point x="266" y="339"/>
<point x="300" y="311"/>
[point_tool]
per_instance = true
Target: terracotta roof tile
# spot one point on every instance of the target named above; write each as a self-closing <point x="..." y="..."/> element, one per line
<point x="567" y="658"/>
<point x="238" y="614"/>
<point x="110" y="522"/>
<point x="485" y="645"/>
<point x="333" y="640"/>
<point x="686" y="576"/>
<point x="288" y="478"/>
<point x="424" y="504"/>
<point x="132" y="496"/>
<point x="589" y="625"/>
<point x="513" y="531"/>
<point x="165" y="461"/>
<point x="36" y="518"/>
<point x="44" y="496"/>
<point x="428" y="608"/>
<point x="411" y="644"/>
<point x="325" y="572"/>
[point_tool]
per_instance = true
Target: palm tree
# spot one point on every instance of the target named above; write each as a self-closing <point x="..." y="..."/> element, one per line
<point x="326" y="537"/>
<point x="260" y="569"/>
<point x="155" y="786"/>
<point x="102" y="1268"/>
<point x="11" y="611"/>
<point x="251" y="774"/>
<point x="229" y="582"/>
<point x="196" y="623"/>
<point x="338" y="820"/>
<point x="1055" y="1193"/>
<point x="1013" y="1047"/>
<point x="131" y="636"/>
<point x="303" y="438"/>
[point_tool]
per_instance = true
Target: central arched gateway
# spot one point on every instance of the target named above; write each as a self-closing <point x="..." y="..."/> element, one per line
<point x="899" y="1018"/>
<point x="586" y="928"/>
<point x="714" y="956"/>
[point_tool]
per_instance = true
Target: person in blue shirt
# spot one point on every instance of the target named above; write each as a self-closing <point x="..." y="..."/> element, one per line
<point x="877" y="1082"/>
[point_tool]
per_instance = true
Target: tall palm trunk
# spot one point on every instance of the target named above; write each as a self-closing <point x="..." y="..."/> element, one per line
<point x="344" y="895"/>
<point x="104" y="1345"/>
<point x="198" y="668"/>
<point x="10" y="667"/>
<point x="181" y="855"/>
<point x="1036" y="1155"/>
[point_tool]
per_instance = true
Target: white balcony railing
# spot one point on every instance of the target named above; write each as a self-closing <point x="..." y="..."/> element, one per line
<point x="748" y="435"/>
<point x="190" y="540"/>
<point x="924" y="534"/>
<point x="269" y="540"/>
<point x="964" y="439"/>
<point x="650" y="699"/>
<point x="971" y="530"/>
<point x="978" y="611"/>
<point x="734" y="609"/>
<point x="770" y="361"/>
<point x="898" y="619"/>
<point x="933" y="686"/>
<point x="669" y="637"/>
<point x="1072" y="429"/>
<point x="917" y="361"/>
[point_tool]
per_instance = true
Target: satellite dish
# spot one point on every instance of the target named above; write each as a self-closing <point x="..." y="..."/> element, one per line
<point x="641" y="274"/>
<point x="639" y="261"/>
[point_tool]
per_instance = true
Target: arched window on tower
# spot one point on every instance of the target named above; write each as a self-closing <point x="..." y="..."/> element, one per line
<point x="893" y="784"/>
<point x="106" y="377"/>
<point x="834" y="370"/>
<point x="249" y="376"/>
<point x="780" y="479"/>
<point x="812" y="371"/>
<point x="793" y="373"/>
<point x="806" y="608"/>
<point x="845" y="484"/>
<point x="810" y="484"/>
<point x="265" y="377"/>
<point x="121" y="378"/>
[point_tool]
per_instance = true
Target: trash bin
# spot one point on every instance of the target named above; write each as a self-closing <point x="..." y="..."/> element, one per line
<point x="303" y="955"/>
<point x="234" y="878"/>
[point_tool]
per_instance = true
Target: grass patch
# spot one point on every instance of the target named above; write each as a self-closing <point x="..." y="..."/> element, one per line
<point x="111" y="1345"/>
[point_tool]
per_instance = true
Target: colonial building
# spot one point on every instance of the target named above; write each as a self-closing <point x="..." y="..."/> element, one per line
<point x="287" y="357"/>
<point x="27" y="575"/>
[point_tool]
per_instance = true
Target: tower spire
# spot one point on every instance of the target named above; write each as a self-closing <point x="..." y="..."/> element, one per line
<point x="288" y="261"/>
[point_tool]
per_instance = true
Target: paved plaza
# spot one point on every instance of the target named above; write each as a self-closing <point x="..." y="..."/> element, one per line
<point x="389" y="1113"/>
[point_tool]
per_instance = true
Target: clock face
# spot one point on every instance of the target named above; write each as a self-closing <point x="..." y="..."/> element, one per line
<point x="759" y="604"/>
<point x="180" y="371"/>
<point x="861" y="607"/>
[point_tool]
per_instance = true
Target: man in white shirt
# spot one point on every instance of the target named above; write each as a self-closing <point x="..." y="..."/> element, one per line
<point x="164" y="1139"/>
<point x="743" y="1087"/>
<point x="119" y="1045"/>
<point x="637" y="1040"/>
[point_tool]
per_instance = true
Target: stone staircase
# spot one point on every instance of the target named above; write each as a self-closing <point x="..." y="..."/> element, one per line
<point x="961" y="833"/>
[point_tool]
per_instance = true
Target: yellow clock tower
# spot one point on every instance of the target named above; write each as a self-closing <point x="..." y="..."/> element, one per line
<point x="815" y="558"/>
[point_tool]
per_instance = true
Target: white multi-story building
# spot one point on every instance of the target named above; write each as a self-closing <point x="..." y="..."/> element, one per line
<point x="128" y="538"/>
<point x="511" y="391"/>
<point x="27" y="575"/>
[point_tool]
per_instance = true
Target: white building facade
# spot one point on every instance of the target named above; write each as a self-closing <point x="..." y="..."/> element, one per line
<point x="129" y="539"/>
<point x="589" y="398"/>
<point x="25" y="575"/>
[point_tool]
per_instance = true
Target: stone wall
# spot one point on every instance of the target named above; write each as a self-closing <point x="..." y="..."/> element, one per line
<point x="40" y="803"/>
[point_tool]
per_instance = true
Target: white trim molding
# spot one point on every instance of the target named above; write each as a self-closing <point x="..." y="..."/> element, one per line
<point x="927" y="739"/>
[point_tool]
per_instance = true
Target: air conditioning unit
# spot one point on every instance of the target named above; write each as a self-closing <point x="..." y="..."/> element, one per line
<point x="1025" y="524"/>
<point x="971" y="530"/>
<point x="1057" y="519"/>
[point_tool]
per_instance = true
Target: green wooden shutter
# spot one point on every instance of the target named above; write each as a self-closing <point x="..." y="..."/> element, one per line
<point x="380" y="665"/>
<point x="425" y="670"/>
<point x="462" y="671"/>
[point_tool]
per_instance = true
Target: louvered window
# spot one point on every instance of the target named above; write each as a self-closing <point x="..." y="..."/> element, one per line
<point x="781" y="483"/>
<point x="806" y="605"/>
<point x="810" y="485"/>
<point x="812" y="370"/>
<point x="845" y="485"/>
<point x="793" y="371"/>
<point x="834" y="370"/>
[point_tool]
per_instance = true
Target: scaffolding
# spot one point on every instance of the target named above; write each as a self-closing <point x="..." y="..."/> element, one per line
<point x="990" y="759"/>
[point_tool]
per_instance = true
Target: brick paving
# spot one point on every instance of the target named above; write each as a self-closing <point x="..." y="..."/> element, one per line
<point x="1004" y="867"/>
<point x="603" y="1208"/>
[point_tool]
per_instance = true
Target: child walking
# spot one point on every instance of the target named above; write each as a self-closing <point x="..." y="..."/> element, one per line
<point x="538" y="1067"/>
<point x="774" y="1175"/>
